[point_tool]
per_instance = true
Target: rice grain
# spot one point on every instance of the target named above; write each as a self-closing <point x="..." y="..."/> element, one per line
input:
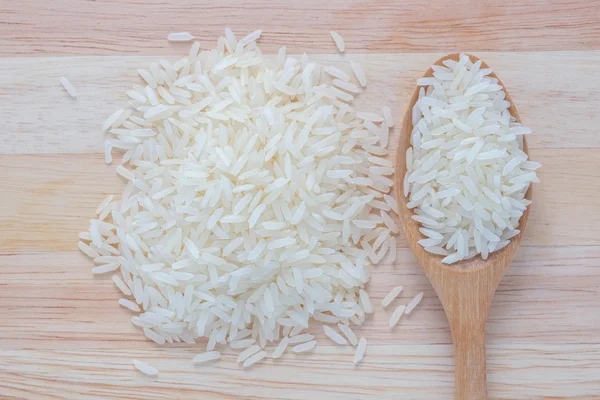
<point x="145" y="368"/>
<point x="359" y="353"/>
<point x="339" y="41"/>
<point x="68" y="87"/>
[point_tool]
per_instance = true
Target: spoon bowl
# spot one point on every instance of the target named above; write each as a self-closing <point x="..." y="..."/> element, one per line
<point x="465" y="288"/>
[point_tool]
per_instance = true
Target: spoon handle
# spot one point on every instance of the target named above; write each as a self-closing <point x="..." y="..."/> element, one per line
<point x="466" y="296"/>
<point x="469" y="355"/>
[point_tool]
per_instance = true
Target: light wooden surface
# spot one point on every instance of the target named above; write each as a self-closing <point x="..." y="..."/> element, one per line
<point x="62" y="333"/>
<point x="465" y="289"/>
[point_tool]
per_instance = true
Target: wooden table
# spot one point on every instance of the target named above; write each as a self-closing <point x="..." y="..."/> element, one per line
<point x="62" y="333"/>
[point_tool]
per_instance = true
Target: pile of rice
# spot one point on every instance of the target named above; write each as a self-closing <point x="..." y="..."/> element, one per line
<point x="256" y="199"/>
<point x="466" y="172"/>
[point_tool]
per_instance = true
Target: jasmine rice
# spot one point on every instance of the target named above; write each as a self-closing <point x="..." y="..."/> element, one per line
<point x="256" y="200"/>
<point x="467" y="174"/>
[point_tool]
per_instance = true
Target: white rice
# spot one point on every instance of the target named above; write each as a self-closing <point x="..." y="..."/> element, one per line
<point x="333" y="335"/>
<point x="254" y="359"/>
<point x="387" y="115"/>
<point x="365" y="300"/>
<point x="339" y="41"/>
<point x="466" y="179"/>
<point x="129" y="304"/>
<point x="281" y="347"/>
<point x="251" y="37"/>
<point x="155" y="337"/>
<point x="68" y="87"/>
<point x="348" y="333"/>
<point x="251" y="194"/>
<point x="207" y="356"/>
<point x="395" y="292"/>
<point x="304" y="347"/>
<point x="359" y="353"/>
<point x="248" y="352"/>
<point x="87" y="250"/>
<point x="369" y="116"/>
<point x="360" y="75"/>
<point x="337" y="73"/>
<point x="121" y="285"/>
<point x="396" y="315"/>
<point x="347" y="86"/>
<point x="193" y="53"/>
<point x="305" y="337"/>
<point x="145" y="368"/>
<point x="110" y="121"/>
<point x="413" y="303"/>
<point x="107" y="151"/>
<point x="242" y="344"/>
<point x="180" y="37"/>
<point x="103" y="269"/>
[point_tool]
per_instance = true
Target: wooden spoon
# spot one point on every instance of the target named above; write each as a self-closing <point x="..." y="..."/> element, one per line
<point x="465" y="288"/>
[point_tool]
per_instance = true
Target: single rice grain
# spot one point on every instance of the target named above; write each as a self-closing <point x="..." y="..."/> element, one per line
<point x="180" y="37"/>
<point x="207" y="356"/>
<point x="145" y="368"/>
<point x="395" y="292"/>
<point x="339" y="41"/>
<point x="359" y="353"/>
<point x="413" y="303"/>
<point x="396" y="315"/>
<point x="304" y="347"/>
<point x="68" y="87"/>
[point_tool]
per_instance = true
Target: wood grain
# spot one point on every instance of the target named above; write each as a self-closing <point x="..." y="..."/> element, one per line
<point x="415" y="372"/>
<point x="62" y="333"/>
<point x="64" y="336"/>
<point x="107" y="27"/>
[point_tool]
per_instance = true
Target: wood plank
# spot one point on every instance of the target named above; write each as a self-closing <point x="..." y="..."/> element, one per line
<point x="62" y="332"/>
<point x="73" y="27"/>
<point x="64" y="337"/>
<point x="52" y="301"/>
<point x="50" y="198"/>
<point x="566" y="89"/>
<point x="408" y="372"/>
